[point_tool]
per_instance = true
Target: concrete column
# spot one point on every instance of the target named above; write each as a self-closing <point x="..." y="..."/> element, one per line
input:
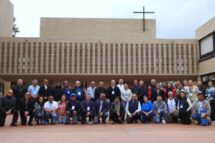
<point x="149" y="59"/>
<point x="179" y="58"/>
<point x="72" y="59"/>
<point x="5" y="58"/>
<point x="190" y="60"/>
<point x="139" y="59"/>
<point x="10" y="59"/>
<point x="165" y="59"/>
<point x="63" y="57"/>
<point x="185" y="59"/>
<point x="160" y="59"/>
<point x="155" y="58"/>
<point x="41" y="58"/>
<point x="144" y="58"/>
<point x="175" y="62"/>
<point x="98" y="58"/>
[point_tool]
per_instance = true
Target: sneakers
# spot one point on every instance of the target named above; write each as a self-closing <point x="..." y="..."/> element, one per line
<point x="163" y="121"/>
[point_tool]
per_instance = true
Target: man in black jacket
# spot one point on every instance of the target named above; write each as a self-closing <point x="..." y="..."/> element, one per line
<point x="117" y="111"/>
<point x="142" y="91"/>
<point x="19" y="91"/>
<point x="8" y="107"/>
<point x="113" y="91"/>
<point x="100" y="89"/>
<point x="45" y="90"/>
<point x="27" y="109"/>
<point x="101" y="108"/>
<point x="73" y="109"/>
<point x="57" y="92"/>
<point x="135" y="87"/>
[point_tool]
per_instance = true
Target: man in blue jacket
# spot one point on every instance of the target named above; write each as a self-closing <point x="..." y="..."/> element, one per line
<point x="101" y="109"/>
<point x="87" y="110"/>
<point x="79" y="91"/>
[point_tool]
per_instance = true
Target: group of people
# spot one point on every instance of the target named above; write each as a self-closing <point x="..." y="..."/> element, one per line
<point x="163" y="102"/>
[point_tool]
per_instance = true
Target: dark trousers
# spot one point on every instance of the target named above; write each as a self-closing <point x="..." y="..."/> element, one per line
<point x="51" y="116"/>
<point x="212" y="103"/>
<point x="39" y="118"/>
<point x="134" y="118"/>
<point x="24" y="118"/>
<point x="73" y="116"/>
<point x="116" y="118"/>
<point x="148" y="118"/>
<point x="84" y="117"/>
<point x="3" y="118"/>
<point x="185" y="117"/>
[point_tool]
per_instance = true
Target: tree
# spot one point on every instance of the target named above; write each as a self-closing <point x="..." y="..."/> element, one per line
<point x="15" y="28"/>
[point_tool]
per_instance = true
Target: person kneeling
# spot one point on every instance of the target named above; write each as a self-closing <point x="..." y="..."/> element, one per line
<point x="184" y="107"/>
<point x="27" y="109"/>
<point x="8" y="107"/>
<point x="62" y="118"/>
<point x="73" y="109"/>
<point x="160" y="110"/>
<point x="50" y="109"/>
<point x="87" y="109"/>
<point x="117" y="111"/>
<point x="147" y="110"/>
<point x="133" y="109"/>
<point x="201" y="110"/>
<point x="101" y="109"/>
<point x="172" y="104"/>
<point x="39" y="112"/>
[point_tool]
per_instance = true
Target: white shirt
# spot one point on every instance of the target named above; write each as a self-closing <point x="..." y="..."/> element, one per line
<point x="126" y="95"/>
<point x="91" y="91"/>
<point x="121" y="87"/>
<point x="34" y="90"/>
<point x="171" y="105"/>
<point x="51" y="106"/>
<point x="46" y="87"/>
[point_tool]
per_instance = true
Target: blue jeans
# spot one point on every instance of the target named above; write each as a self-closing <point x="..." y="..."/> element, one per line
<point x="201" y="121"/>
<point x="52" y="116"/>
<point x="39" y="117"/>
<point x="162" y="116"/>
<point x="147" y="118"/>
<point x="62" y="119"/>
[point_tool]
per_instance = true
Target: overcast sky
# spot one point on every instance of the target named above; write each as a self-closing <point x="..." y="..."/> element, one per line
<point x="175" y="18"/>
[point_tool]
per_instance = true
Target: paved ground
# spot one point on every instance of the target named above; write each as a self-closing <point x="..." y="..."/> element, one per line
<point x="108" y="133"/>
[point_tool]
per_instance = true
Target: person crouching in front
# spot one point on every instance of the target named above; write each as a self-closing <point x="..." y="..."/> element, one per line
<point x="62" y="118"/>
<point x="117" y="111"/>
<point x="50" y="109"/>
<point x="8" y="107"/>
<point x="172" y="104"/>
<point x="133" y="109"/>
<point x="73" y="109"/>
<point x="39" y="112"/>
<point x="27" y="109"/>
<point x="160" y="110"/>
<point x="87" y="110"/>
<point x="101" y="109"/>
<point x="202" y="111"/>
<point x="147" y="110"/>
